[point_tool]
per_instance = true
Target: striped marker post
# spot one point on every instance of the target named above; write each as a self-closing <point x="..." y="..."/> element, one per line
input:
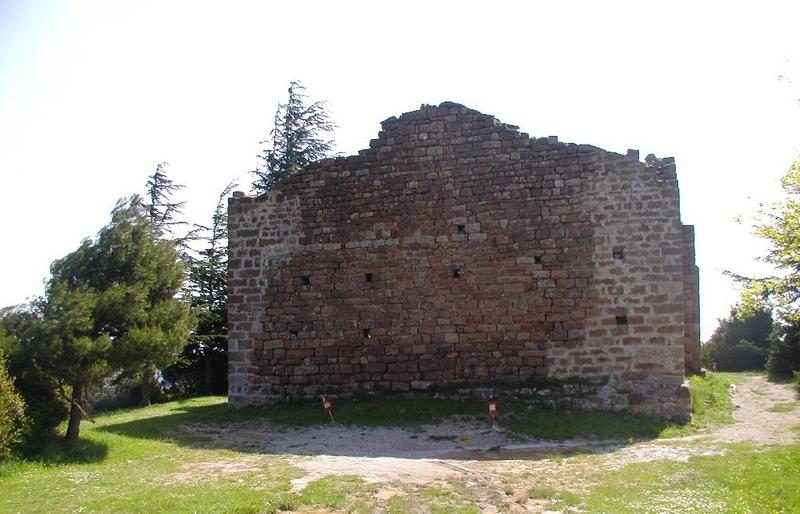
<point x="327" y="406"/>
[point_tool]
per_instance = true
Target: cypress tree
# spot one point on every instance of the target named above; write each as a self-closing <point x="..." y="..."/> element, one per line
<point x="296" y="140"/>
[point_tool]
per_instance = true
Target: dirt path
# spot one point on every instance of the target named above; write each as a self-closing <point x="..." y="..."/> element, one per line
<point x="763" y="413"/>
<point x="497" y="469"/>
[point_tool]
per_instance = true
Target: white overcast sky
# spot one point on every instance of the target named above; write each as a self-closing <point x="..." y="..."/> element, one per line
<point x="93" y="94"/>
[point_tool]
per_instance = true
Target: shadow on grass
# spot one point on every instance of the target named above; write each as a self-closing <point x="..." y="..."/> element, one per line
<point x="304" y="429"/>
<point x="57" y="451"/>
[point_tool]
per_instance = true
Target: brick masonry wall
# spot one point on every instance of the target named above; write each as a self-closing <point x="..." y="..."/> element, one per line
<point x="691" y="302"/>
<point x="458" y="250"/>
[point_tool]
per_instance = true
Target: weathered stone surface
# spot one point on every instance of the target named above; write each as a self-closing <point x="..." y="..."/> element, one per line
<point x="457" y="250"/>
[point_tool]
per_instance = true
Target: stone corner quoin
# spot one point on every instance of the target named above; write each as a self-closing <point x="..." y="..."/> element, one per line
<point x="456" y="250"/>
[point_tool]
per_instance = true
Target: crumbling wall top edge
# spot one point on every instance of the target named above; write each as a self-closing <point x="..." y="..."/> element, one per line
<point x="446" y="110"/>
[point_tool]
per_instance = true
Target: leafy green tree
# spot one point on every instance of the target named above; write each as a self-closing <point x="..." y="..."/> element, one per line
<point x="12" y="409"/>
<point x="139" y="276"/>
<point x="740" y="342"/>
<point x="780" y="227"/>
<point x="162" y="210"/>
<point x="784" y="354"/>
<point x="78" y="353"/>
<point x="111" y="304"/>
<point x="26" y="348"/>
<point x="203" y="368"/>
<point x="296" y="140"/>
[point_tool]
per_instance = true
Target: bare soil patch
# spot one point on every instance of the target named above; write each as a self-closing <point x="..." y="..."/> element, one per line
<point x="197" y="472"/>
<point x="498" y="469"/>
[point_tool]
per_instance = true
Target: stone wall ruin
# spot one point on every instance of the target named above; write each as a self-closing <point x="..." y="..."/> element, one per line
<point x="459" y="251"/>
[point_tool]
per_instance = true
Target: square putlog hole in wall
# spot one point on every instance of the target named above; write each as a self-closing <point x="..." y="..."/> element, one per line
<point x="306" y="281"/>
<point x="456" y="273"/>
<point x="366" y="333"/>
<point x="537" y="259"/>
<point x="622" y="320"/>
<point x="618" y="252"/>
<point x="461" y="229"/>
<point x="368" y="278"/>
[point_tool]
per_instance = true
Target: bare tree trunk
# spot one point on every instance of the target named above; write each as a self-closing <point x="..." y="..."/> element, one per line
<point x="74" y="427"/>
<point x="146" y="375"/>
<point x="207" y="376"/>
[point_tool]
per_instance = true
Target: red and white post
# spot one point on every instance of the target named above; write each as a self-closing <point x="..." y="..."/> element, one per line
<point x="327" y="406"/>
<point x="493" y="409"/>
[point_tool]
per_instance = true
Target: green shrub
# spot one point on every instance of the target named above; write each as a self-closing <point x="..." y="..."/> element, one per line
<point x="45" y="404"/>
<point x="784" y="354"/>
<point x="744" y="356"/>
<point x="12" y="413"/>
<point x="739" y="343"/>
<point x="46" y="407"/>
<point x="711" y="399"/>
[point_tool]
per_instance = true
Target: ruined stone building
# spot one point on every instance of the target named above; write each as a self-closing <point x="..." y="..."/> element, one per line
<point x="457" y="250"/>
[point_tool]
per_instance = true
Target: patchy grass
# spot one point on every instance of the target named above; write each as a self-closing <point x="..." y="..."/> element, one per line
<point x="558" y="500"/>
<point x="341" y="493"/>
<point x="401" y="505"/>
<point x="735" y="377"/>
<point x="142" y="468"/>
<point x="434" y="437"/>
<point x="565" y="424"/>
<point x="785" y="407"/>
<point x="744" y="480"/>
<point x="710" y="395"/>
<point x="409" y="411"/>
<point x="140" y="461"/>
<point x="711" y="400"/>
<point x="712" y="404"/>
<point x="161" y="421"/>
<point x="453" y="498"/>
<point x="389" y="410"/>
<point x="400" y="411"/>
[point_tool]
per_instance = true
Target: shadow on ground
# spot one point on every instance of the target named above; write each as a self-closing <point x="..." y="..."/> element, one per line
<point x="59" y="452"/>
<point x="400" y="427"/>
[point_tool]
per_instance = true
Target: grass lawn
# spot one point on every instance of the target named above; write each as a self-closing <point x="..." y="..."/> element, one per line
<point x="131" y="461"/>
<point x="746" y="479"/>
<point x="138" y="461"/>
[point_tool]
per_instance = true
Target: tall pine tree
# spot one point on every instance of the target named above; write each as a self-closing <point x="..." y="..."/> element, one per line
<point x="161" y="209"/>
<point x="203" y="367"/>
<point x="296" y="140"/>
<point x="159" y="204"/>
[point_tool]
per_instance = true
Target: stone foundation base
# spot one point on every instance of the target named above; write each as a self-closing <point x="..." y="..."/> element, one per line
<point x="655" y="397"/>
<point x="664" y="399"/>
